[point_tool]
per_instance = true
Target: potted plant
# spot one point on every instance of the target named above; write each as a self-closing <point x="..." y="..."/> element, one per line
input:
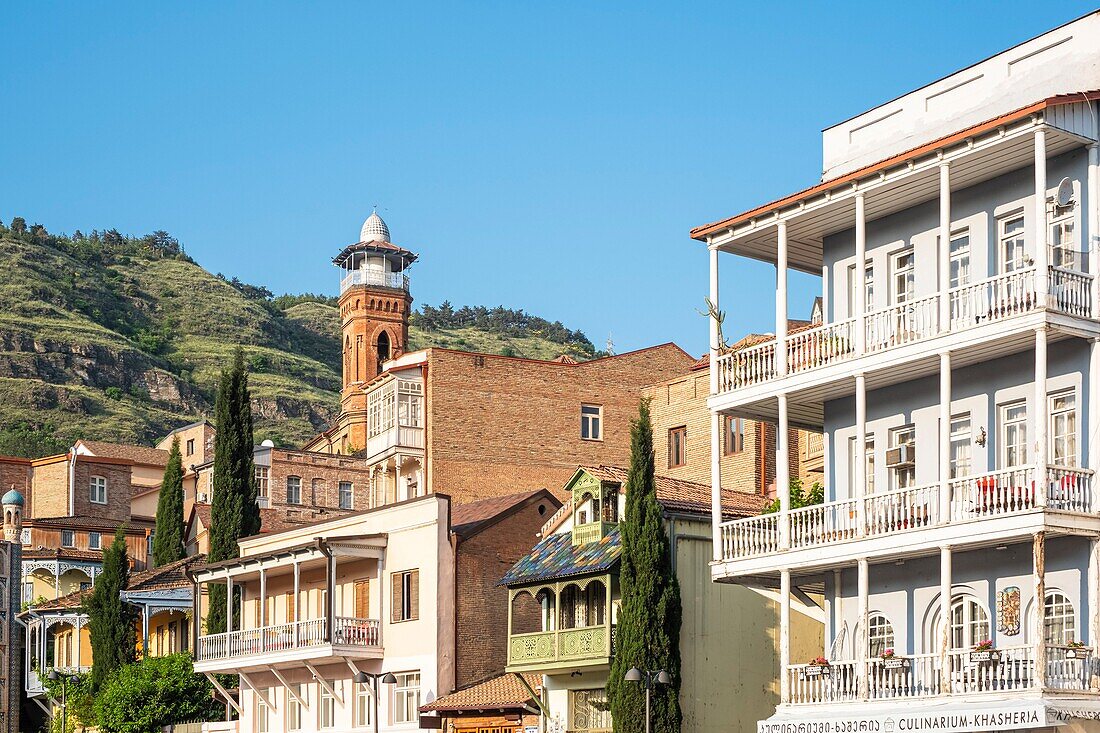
<point x="1077" y="650"/>
<point x="890" y="660"/>
<point x="984" y="651"/>
<point x="818" y="667"/>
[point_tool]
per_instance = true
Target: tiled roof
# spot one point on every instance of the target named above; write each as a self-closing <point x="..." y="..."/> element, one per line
<point x="504" y="692"/>
<point x="172" y="575"/>
<point x="135" y="453"/>
<point x="556" y="557"/>
<point x="67" y="553"/>
<point x="468" y="518"/>
<point x="135" y="525"/>
<point x="688" y="496"/>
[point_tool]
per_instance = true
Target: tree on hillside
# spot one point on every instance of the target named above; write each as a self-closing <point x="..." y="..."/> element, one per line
<point x="168" y="541"/>
<point x="233" y="511"/>
<point x="648" y="635"/>
<point x="110" y="619"/>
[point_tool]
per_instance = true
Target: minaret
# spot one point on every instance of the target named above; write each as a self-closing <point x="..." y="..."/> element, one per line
<point x="13" y="516"/>
<point x="374" y="312"/>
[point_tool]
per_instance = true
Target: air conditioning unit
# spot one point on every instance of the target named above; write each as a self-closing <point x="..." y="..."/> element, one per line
<point x="904" y="456"/>
<point x="203" y="498"/>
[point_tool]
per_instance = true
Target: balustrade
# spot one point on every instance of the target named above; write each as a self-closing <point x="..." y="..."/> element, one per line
<point x="295" y="635"/>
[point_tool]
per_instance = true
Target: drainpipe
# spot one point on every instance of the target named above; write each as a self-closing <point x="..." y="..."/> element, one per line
<point x="72" y="479"/>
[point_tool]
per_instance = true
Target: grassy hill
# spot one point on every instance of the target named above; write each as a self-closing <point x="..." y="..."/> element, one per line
<point x="121" y="338"/>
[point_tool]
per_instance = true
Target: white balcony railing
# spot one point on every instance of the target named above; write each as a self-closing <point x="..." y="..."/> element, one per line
<point x="395" y="280"/>
<point x="837" y="684"/>
<point x="283" y="637"/>
<point x="916" y="676"/>
<point x="968" y="306"/>
<point x="998" y="493"/>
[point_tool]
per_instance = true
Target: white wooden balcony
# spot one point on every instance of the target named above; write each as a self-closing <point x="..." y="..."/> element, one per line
<point x="246" y="646"/>
<point x="376" y="278"/>
<point x="990" y="495"/>
<point x="970" y="306"/>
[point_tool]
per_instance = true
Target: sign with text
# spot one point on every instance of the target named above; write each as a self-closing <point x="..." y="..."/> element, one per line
<point x="940" y="721"/>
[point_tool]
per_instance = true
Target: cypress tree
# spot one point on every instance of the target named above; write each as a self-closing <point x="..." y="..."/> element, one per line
<point x="110" y="619"/>
<point x="648" y="635"/>
<point x="233" y="511"/>
<point x="168" y="542"/>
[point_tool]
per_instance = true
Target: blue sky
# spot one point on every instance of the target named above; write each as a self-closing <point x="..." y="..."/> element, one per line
<point x="549" y="156"/>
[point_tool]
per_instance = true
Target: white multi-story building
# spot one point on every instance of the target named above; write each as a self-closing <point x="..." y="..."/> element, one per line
<point x="954" y="379"/>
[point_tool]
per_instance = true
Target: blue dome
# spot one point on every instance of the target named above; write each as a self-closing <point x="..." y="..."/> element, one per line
<point x="12" y="497"/>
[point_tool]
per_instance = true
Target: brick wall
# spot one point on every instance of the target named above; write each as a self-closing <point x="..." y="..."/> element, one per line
<point x="119" y="489"/>
<point x="15" y="473"/>
<point x="481" y="608"/>
<point x="49" y="490"/>
<point x="321" y="475"/>
<point x="498" y="425"/>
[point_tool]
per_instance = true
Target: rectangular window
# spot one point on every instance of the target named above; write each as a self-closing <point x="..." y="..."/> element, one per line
<point x="588" y="710"/>
<point x="94" y="540"/>
<point x="1063" y="429"/>
<point x="347" y="499"/>
<point x="190" y="446"/>
<point x="677" y="447"/>
<point x="903" y="276"/>
<point x="734" y="439"/>
<point x="294" y="708"/>
<point x="68" y="538"/>
<point x="1063" y="242"/>
<point x="1013" y="435"/>
<point x="868" y="467"/>
<point x="592" y="422"/>
<point x="293" y="489"/>
<point x="868" y="289"/>
<point x="903" y="475"/>
<point x="262" y="718"/>
<point x="406" y="698"/>
<point x="364" y="711"/>
<point x="960" y="446"/>
<point x="263" y="474"/>
<point x="960" y="259"/>
<point x="405" y="598"/>
<point x="97" y="490"/>
<point x="1011" y="235"/>
<point x="326" y="710"/>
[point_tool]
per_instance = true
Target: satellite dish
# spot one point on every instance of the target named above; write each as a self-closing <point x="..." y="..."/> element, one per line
<point x="267" y="444"/>
<point x="1064" y="197"/>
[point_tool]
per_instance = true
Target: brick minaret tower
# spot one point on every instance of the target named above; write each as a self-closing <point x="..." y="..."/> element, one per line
<point x="374" y="311"/>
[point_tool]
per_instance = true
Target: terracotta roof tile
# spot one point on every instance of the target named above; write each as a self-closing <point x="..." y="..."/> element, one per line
<point x="504" y="692"/>
<point x="688" y="496"/>
<point x="165" y="577"/>
<point x="135" y="453"/>
<point x="469" y="517"/>
<point x="67" y="553"/>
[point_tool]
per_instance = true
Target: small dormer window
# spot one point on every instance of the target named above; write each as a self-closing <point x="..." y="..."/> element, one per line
<point x="97" y="490"/>
<point x="68" y="538"/>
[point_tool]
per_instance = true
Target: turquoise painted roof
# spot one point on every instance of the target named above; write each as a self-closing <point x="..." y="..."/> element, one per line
<point x="12" y="497"/>
<point x="556" y="557"/>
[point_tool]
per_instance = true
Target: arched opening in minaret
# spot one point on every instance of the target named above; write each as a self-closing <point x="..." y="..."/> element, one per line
<point x="383" y="349"/>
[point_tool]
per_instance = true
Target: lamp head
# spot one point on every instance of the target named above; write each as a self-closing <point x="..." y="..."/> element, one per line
<point x="664" y="678"/>
<point x="361" y="678"/>
<point x="53" y="676"/>
<point x="633" y="675"/>
<point x="389" y="679"/>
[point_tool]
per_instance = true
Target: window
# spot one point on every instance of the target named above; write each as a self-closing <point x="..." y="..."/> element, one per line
<point x="1063" y="243"/>
<point x="293" y="489"/>
<point x="94" y="540"/>
<point x="868" y="289"/>
<point x="588" y="710"/>
<point x="1063" y="429"/>
<point x="97" y="487"/>
<point x="734" y="441"/>
<point x="68" y="538"/>
<point x="262" y="717"/>
<point x="960" y="259"/>
<point x="903" y="276"/>
<point x="1059" y="625"/>
<point x="1013" y="435"/>
<point x="364" y="711"/>
<point x="677" y="447"/>
<point x="263" y="474"/>
<point x="346" y="496"/>
<point x="294" y="708"/>
<point x="28" y="592"/>
<point x="405" y="601"/>
<point x="903" y="476"/>
<point x="190" y="446"/>
<point x="969" y="623"/>
<point x="869" y="467"/>
<point x="960" y="446"/>
<point x="591" y="422"/>
<point x="326" y="710"/>
<point x="406" y="697"/>
<point x="85" y="585"/>
<point x="1012" y="252"/>
<point x="880" y="635"/>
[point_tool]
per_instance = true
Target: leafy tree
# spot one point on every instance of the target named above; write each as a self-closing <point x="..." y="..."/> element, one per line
<point x="30" y="441"/>
<point x="110" y="619"/>
<point x="168" y="542"/>
<point x="78" y="701"/>
<point x="147" y="696"/>
<point x="233" y="511"/>
<point x="800" y="496"/>
<point x="648" y="634"/>
<point x="18" y="225"/>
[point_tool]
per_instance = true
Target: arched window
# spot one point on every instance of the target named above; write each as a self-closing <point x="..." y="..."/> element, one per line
<point x="880" y="635"/>
<point x="969" y="622"/>
<point x="383" y="349"/>
<point x="1059" y="624"/>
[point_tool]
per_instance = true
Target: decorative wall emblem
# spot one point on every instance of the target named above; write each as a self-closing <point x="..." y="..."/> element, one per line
<point x="1008" y="611"/>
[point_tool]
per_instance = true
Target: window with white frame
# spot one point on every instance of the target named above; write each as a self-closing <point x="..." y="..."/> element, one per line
<point x="960" y="446"/>
<point x="326" y="708"/>
<point x="868" y="288"/>
<point x="293" y="489"/>
<point x="960" y="259"/>
<point x="263" y="722"/>
<point x="263" y="475"/>
<point x="95" y="540"/>
<point x="903" y="475"/>
<point x="1063" y="429"/>
<point x="1064" y="251"/>
<point x="346" y="495"/>
<point x="903" y="276"/>
<point x="1012" y="249"/>
<point x="1059" y="624"/>
<point x="869" y="465"/>
<point x="733" y="440"/>
<point x="97" y="489"/>
<point x="68" y="538"/>
<point x="294" y="708"/>
<point x="592" y="422"/>
<point x="880" y="634"/>
<point x="364" y="711"/>
<point x="969" y="622"/>
<point x="1013" y="435"/>
<point x="406" y="697"/>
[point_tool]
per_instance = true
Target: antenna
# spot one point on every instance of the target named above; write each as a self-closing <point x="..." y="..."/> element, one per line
<point x="1064" y="196"/>
<point x="610" y="345"/>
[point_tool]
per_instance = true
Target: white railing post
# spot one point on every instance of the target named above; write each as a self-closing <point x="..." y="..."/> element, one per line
<point x="1042" y="254"/>
<point x="1038" y="576"/>
<point x="862" y="591"/>
<point x="859" y="489"/>
<point x="945" y="437"/>
<point x="782" y="473"/>
<point x="945" y="619"/>
<point x="715" y="418"/>
<point x="1093" y="420"/>
<point x="860" y="285"/>
<point x="781" y="301"/>
<point x="1040" y="432"/>
<point x="945" y="246"/>
<point x="1093" y="220"/>
<point x="784" y="635"/>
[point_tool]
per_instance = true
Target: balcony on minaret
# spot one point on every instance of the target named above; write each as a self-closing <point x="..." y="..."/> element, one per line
<point x="374" y="261"/>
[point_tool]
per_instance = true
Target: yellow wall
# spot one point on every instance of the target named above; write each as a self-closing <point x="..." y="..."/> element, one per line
<point x="44" y="586"/>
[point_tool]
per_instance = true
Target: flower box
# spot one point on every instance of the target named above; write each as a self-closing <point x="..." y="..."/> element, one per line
<point x="985" y="655"/>
<point x="1078" y="652"/>
<point x="816" y="670"/>
<point x="895" y="663"/>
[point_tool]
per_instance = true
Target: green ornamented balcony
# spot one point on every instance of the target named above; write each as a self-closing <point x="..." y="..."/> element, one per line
<point x="547" y="650"/>
<point x="591" y="532"/>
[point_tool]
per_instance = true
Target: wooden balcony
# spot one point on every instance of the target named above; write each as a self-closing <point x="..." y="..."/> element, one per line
<point x="544" y="650"/>
<point x="309" y="639"/>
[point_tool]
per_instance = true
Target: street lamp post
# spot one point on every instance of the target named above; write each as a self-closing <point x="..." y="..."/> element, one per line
<point x="54" y="676"/>
<point x="650" y="678"/>
<point x="363" y="678"/>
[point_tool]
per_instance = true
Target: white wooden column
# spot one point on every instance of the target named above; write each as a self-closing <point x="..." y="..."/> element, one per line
<point x="228" y="604"/>
<point x="945" y="246"/>
<point x="945" y="619"/>
<point x="863" y="591"/>
<point x="715" y="418"/>
<point x="783" y="473"/>
<point x="784" y="635"/>
<point x="1093" y="219"/>
<point x="263" y="602"/>
<point x="945" y="437"/>
<point x="1092" y="419"/>
<point x="1042" y="255"/>
<point x="1040" y="420"/>
<point x="1038" y="577"/>
<point x="859" y="481"/>
<point x="781" y="300"/>
<point x="145" y="653"/>
<point x="859" y="286"/>
<point x="1094" y="612"/>
<point x="297" y="600"/>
